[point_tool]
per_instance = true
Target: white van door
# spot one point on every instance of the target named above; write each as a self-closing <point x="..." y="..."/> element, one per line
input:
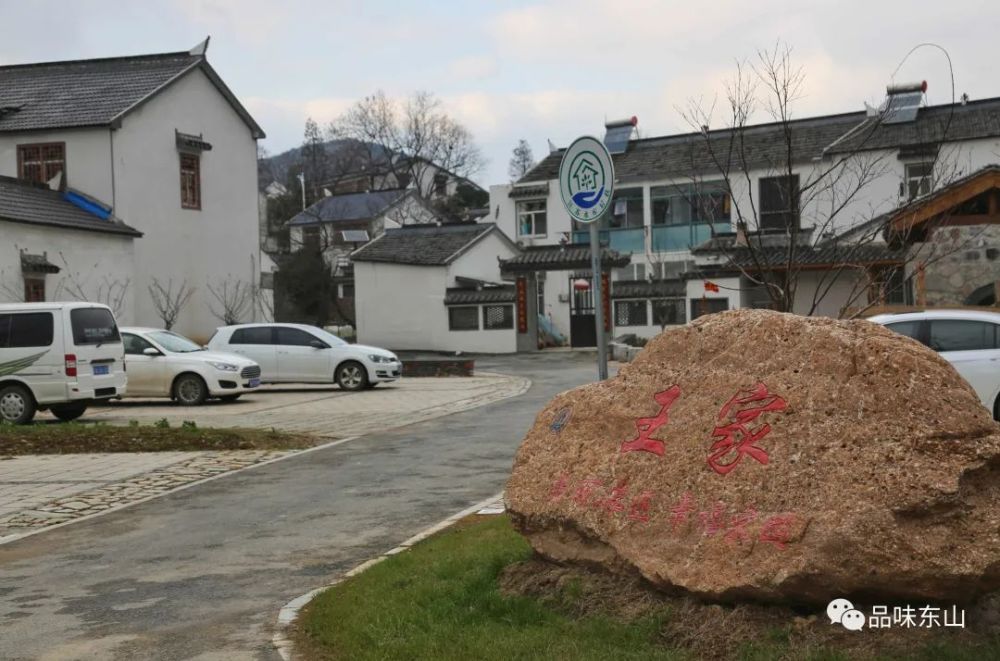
<point x="31" y="350"/>
<point x="95" y="347"/>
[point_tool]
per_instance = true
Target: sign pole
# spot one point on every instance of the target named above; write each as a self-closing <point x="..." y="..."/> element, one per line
<point x="586" y="185"/>
<point x="595" y="269"/>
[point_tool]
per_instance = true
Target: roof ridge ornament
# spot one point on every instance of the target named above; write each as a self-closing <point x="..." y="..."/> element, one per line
<point x="200" y="49"/>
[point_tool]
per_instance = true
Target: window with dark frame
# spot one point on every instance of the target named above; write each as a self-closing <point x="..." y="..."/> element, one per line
<point x="919" y="180"/>
<point x="498" y="317"/>
<point x="630" y="313"/>
<point x="668" y="311"/>
<point x="531" y="218"/>
<point x="778" y="202"/>
<point x="34" y="290"/>
<point x="627" y="208"/>
<point x="463" y="318"/>
<point x="190" y="181"/>
<point x="41" y="162"/>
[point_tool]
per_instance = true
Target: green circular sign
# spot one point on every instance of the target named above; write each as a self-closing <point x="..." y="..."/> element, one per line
<point x="586" y="179"/>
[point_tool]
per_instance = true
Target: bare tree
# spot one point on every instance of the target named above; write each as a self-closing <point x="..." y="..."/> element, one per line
<point x="409" y="140"/>
<point x="230" y="300"/>
<point x="13" y="292"/>
<point x="770" y="246"/>
<point x="107" y="290"/>
<point x="167" y="302"/>
<point x="521" y="160"/>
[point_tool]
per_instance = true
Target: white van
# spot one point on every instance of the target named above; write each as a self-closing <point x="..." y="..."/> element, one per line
<point x="58" y="356"/>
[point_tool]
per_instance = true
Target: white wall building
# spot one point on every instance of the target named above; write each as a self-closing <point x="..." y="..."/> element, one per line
<point x="436" y="288"/>
<point x="158" y="141"/>
<point x="671" y="199"/>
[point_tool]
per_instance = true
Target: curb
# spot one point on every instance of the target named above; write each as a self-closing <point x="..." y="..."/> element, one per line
<point x="290" y="611"/>
<point x="523" y="388"/>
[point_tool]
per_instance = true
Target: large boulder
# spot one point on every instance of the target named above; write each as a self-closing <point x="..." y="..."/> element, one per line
<point x="767" y="456"/>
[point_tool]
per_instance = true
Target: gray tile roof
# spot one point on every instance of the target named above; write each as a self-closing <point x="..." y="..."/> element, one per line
<point x="422" y="245"/>
<point x="560" y="258"/>
<point x="466" y="296"/>
<point x="679" y="155"/>
<point x="349" y="207"/>
<point x="934" y="124"/>
<point x="23" y="202"/>
<point x="764" y="144"/>
<point x="98" y="92"/>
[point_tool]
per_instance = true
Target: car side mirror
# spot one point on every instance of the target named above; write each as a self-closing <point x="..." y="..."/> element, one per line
<point x="150" y="351"/>
<point x="316" y="344"/>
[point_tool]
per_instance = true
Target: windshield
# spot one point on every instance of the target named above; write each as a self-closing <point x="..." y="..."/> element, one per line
<point x="329" y="337"/>
<point x="173" y="342"/>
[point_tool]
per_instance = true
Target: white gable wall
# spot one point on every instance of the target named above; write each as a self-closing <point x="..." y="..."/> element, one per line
<point x="215" y="245"/>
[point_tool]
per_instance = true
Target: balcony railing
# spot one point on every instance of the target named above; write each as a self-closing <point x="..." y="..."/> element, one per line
<point x="684" y="237"/>
<point x="628" y="240"/>
<point x="665" y="238"/>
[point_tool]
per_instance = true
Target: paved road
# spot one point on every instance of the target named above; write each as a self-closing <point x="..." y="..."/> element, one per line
<point x="200" y="574"/>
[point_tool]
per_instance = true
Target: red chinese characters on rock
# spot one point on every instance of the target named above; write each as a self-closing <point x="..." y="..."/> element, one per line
<point x="646" y="427"/>
<point x="720" y="521"/>
<point x="736" y="438"/>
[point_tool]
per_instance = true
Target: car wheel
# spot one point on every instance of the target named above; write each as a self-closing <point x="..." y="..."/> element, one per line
<point x="190" y="390"/>
<point x="17" y="406"/>
<point x="352" y="376"/>
<point x="69" y="412"/>
<point x="229" y="398"/>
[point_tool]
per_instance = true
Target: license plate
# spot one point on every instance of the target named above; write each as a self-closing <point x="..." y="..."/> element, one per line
<point x="254" y="383"/>
<point x="100" y="369"/>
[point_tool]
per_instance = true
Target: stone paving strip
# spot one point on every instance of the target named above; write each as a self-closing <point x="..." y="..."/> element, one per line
<point x="45" y="490"/>
<point x="35" y="507"/>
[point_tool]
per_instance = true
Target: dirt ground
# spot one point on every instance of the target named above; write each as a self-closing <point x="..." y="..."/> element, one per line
<point x="715" y="631"/>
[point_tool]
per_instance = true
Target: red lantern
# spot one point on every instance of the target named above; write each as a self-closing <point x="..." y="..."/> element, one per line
<point x="581" y="284"/>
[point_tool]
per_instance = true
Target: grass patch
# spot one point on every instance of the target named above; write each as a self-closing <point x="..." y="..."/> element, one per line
<point x="75" y="437"/>
<point x="441" y="600"/>
<point x="475" y="592"/>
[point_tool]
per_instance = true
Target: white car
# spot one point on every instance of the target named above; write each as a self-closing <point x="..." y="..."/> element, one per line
<point x="296" y="353"/>
<point x="969" y="340"/>
<point x="161" y="363"/>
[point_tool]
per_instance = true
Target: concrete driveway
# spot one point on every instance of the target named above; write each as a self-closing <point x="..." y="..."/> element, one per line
<point x="201" y="573"/>
<point x="38" y="492"/>
<point x="324" y="410"/>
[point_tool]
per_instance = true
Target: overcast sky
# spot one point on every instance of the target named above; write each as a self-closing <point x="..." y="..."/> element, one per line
<point x="535" y="70"/>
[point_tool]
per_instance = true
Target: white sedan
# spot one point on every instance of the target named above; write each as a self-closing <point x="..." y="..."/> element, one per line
<point x="161" y="363"/>
<point x="297" y="353"/>
<point x="969" y="340"/>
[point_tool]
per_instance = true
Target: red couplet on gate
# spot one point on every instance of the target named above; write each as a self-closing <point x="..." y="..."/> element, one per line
<point x="606" y="301"/>
<point x="522" y="305"/>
